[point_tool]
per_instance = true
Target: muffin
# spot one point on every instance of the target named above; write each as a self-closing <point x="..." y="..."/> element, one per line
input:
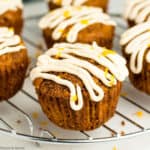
<point x="11" y="14"/>
<point x="78" y="85"/>
<point x="78" y="25"/>
<point x="54" y="4"/>
<point x="136" y="49"/>
<point x="13" y="63"/>
<point x="137" y="11"/>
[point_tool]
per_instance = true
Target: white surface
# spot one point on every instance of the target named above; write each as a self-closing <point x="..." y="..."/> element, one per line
<point x="137" y="143"/>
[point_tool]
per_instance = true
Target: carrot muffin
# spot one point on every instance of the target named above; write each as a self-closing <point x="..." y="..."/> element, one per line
<point x="136" y="49"/>
<point x="78" y="85"/>
<point x="137" y="11"/>
<point x="11" y="14"/>
<point x="53" y="4"/>
<point x="78" y="24"/>
<point x="13" y="63"/>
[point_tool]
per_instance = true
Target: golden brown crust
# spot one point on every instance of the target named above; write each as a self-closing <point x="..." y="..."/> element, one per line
<point x="13" y="68"/>
<point x="55" y="102"/>
<point x="12" y="19"/>
<point x="101" y="33"/>
<point x="95" y="3"/>
<point x="140" y="81"/>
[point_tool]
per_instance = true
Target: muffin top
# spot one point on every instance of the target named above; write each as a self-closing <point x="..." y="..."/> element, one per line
<point x="138" y="11"/>
<point x="136" y="43"/>
<point x="6" y="5"/>
<point x="9" y="42"/>
<point x="73" y="19"/>
<point x="90" y="63"/>
<point x="68" y="2"/>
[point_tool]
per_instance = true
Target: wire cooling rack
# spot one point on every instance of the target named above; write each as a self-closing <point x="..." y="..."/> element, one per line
<point x="22" y="117"/>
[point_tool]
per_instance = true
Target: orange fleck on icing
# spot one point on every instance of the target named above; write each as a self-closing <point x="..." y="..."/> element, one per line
<point x="99" y="55"/>
<point x="59" y="77"/>
<point x="58" y="55"/>
<point x="61" y="30"/>
<point x="58" y="2"/>
<point x="139" y="114"/>
<point x="79" y="8"/>
<point x="111" y="77"/>
<point x="43" y="123"/>
<point x="107" y="52"/>
<point x="11" y="29"/>
<point x="148" y="45"/>
<point x="84" y="22"/>
<point x="91" y="48"/>
<point x="74" y="98"/>
<point x="35" y="115"/>
<point x="114" y="148"/>
<point x="67" y="14"/>
<point x="60" y="48"/>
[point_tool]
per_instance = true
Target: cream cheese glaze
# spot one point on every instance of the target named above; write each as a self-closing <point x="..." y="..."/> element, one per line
<point x="77" y="17"/>
<point x="9" y="42"/>
<point x="68" y="2"/>
<point x="82" y="68"/>
<point x="136" y="42"/>
<point x="138" y="11"/>
<point x="6" y="5"/>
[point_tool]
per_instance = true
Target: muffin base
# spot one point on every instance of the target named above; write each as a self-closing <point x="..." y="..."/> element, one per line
<point x="100" y="33"/>
<point x="95" y="3"/>
<point x="140" y="81"/>
<point x="12" y="19"/>
<point x="12" y="73"/>
<point x="55" y="103"/>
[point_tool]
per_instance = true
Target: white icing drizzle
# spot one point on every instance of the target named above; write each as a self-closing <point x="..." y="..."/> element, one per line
<point x="68" y="2"/>
<point x="138" y="10"/>
<point x="9" y="42"/>
<point x="77" y="17"/>
<point x="137" y="42"/>
<point x="6" y="5"/>
<point x="72" y="64"/>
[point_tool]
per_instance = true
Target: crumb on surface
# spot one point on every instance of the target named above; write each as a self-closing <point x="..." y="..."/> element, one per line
<point x="43" y="123"/>
<point x="18" y="121"/>
<point x="139" y="114"/>
<point x="35" y="115"/>
<point x="123" y="123"/>
<point x="122" y="133"/>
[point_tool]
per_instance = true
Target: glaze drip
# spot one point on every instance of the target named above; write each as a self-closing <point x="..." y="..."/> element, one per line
<point x="137" y="42"/>
<point x="70" y="62"/>
<point x="138" y="11"/>
<point x="77" y="18"/>
<point x="8" y="41"/>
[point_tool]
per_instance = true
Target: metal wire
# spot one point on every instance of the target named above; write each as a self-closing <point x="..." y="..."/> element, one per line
<point x="52" y="138"/>
<point x="29" y="120"/>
